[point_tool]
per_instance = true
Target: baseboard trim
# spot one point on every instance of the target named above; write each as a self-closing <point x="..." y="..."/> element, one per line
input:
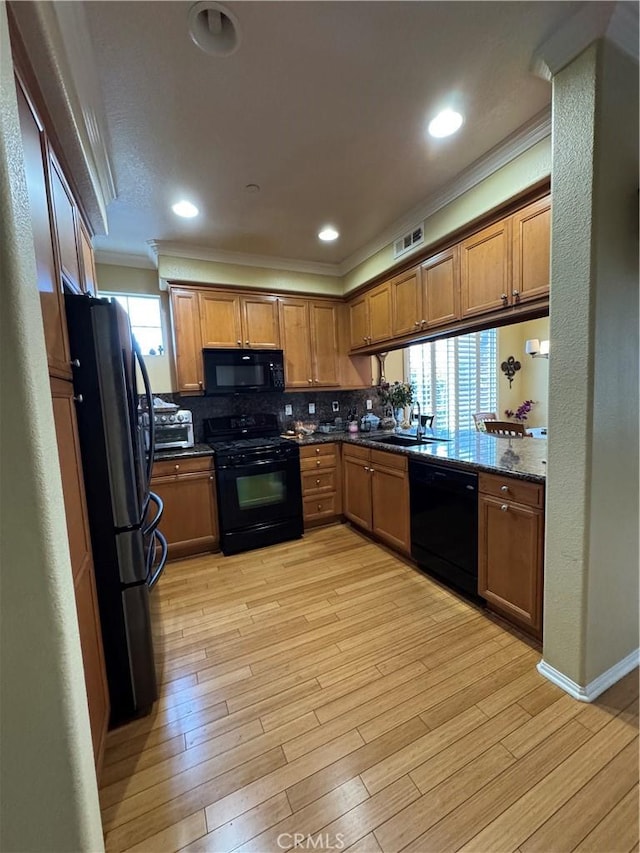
<point x="598" y="685"/>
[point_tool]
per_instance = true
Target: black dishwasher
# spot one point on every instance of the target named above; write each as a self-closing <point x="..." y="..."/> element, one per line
<point x="444" y="524"/>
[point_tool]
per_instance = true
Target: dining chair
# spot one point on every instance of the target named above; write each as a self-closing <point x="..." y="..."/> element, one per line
<point x="505" y="428"/>
<point x="480" y="417"/>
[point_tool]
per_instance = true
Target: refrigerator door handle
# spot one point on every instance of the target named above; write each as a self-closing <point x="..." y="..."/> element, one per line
<point x="149" y="397"/>
<point x="153" y="580"/>
<point x="151" y="527"/>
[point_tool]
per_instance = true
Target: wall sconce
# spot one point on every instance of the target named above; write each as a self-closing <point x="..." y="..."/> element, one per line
<point x="536" y="348"/>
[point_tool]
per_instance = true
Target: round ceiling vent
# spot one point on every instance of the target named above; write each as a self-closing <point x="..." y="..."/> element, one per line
<point x="214" y="28"/>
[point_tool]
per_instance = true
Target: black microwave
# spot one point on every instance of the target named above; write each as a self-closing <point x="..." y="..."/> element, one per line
<point x="240" y="371"/>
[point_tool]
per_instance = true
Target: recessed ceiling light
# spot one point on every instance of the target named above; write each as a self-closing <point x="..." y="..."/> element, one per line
<point x="445" y="123"/>
<point x="328" y="233"/>
<point x="185" y="208"/>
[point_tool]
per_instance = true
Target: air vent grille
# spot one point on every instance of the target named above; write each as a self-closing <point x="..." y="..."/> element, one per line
<point x="408" y="241"/>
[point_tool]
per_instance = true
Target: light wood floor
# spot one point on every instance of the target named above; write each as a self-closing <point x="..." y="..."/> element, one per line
<point x="326" y="688"/>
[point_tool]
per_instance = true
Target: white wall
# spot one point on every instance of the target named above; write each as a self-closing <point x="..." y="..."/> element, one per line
<point x="47" y="778"/>
<point x="531" y="382"/>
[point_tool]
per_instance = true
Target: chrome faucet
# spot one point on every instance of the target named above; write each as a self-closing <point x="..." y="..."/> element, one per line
<point x="419" y="427"/>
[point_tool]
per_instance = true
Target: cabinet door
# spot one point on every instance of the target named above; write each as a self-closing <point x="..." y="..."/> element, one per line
<point x="359" y="322"/>
<point x="296" y="345"/>
<point x="406" y="303"/>
<point x="260" y="322"/>
<point x="531" y="250"/>
<point x="441" y="288"/>
<point x="55" y="327"/>
<point x="187" y="343"/>
<point x="220" y="319"/>
<point x="190" y="518"/>
<point x="323" y="321"/>
<point x="380" y="313"/>
<point x="390" y="506"/>
<point x="510" y="553"/>
<point x="81" y="562"/>
<point x="88" y="264"/>
<point x="485" y="269"/>
<point x="357" y="491"/>
<point x="66" y="226"/>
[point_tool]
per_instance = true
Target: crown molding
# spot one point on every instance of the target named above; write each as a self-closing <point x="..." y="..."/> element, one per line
<point x="538" y="128"/>
<point x="57" y="40"/>
<point x="582" y="29"/>
<point x="125" y="259"/>
<point x="202" y="253"/>
<point x="623" y="28"/>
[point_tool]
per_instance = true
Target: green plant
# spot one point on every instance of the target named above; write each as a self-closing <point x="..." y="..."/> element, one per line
<point x="398" y="394"/>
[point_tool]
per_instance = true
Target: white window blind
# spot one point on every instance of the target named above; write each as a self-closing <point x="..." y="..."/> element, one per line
<point x="145" y="318"/>
<point x="455" y="377"/>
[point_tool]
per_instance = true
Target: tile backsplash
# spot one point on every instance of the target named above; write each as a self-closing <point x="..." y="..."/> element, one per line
<point x="243" y="404"/>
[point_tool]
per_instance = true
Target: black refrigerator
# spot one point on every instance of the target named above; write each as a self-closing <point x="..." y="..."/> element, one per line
<point x="129" y="552"/>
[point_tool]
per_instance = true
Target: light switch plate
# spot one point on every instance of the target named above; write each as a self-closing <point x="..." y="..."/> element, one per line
<point x="369" y="405"/>
<point x="312" y="408"/>
<point x="335" y="406"/>
<point x="288" y="409"/>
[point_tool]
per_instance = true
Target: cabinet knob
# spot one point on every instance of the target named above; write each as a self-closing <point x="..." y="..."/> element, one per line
<point x="417" y="323"/>
<point x="504" y="298"/>
<point x="504" y="488"/>
<point x="79" y="398"/>
<point x="247" y="343"/>
<point x="310" y="381"/>
<point x="239" y="343"/>
<point x="423" y="322"/>
<point x="176" y="467"/>
<point x="366" y="467"/>
<point x="211" y="477"/>
<point x="516" y="295"/>
<point x="317" y="461"/>
<point x="372" y="470"/>
<point x="364" y="339"/>
<point x="317" y="482"/>
<point x="319" y="507"/>
<point x="75" y="362"/>
<point x="200" y="384"/>
<point x="317" y="450"/>
<point x="504" y="507"/>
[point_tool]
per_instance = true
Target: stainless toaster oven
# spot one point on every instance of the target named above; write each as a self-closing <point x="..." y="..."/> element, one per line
<point x="172" y="429"/>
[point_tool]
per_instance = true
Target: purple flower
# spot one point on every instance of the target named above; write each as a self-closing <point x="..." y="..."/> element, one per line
<point x="521" y="412"/>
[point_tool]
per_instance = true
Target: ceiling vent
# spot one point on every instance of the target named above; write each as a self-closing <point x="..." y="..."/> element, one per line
<point x="214" y="28"/>
<point x="408" y="241"/>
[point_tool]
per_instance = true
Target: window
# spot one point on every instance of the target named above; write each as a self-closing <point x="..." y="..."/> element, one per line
<point x="145" y="318"/>
<point x="456" y="377"/>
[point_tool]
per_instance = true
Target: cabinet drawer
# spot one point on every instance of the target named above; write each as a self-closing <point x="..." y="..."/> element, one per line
<point x="356" y="452"/>
<point x="321" y="506"/>
<point x="317" y="456"/>
<point x="509" y="488"/>
<point x="323" y="480"/>
<point x="193" y="465"/>
<point x="389" y="460"/>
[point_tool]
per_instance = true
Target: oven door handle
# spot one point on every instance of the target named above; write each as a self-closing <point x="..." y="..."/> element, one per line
<point x="259" y="463"/>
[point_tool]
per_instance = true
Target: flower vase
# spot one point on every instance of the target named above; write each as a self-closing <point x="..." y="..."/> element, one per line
<point x="398" y="414"/>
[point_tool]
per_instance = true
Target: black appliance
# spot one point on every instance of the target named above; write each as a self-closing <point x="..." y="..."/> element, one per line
<point x="129" y="552"/>
<point x="257" y="481"/>
<point x="444" y="524"/>
<point x="231" y="371"/>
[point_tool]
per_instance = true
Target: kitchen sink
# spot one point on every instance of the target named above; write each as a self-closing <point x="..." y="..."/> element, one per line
<point x="402" y="440"/>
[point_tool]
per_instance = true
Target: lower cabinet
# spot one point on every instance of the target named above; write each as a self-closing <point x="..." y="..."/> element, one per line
<point x="190" y="518"/>
<point x="511" y="549"/>
<point x="376" y="493"/>
<point x="84" y="584"/>
<point x="321" y="483"/>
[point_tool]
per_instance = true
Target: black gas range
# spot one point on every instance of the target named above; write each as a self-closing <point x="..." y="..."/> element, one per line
<point x="257" y="481"/>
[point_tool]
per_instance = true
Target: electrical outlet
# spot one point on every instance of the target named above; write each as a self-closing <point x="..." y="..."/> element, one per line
<point x="335" y="406"/>
<point x="369" y="405"/>
<point x="312" y="408"/>
<point x="288" y="410"/>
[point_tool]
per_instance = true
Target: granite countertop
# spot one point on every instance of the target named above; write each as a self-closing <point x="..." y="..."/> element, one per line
<point x="524" y="458"/>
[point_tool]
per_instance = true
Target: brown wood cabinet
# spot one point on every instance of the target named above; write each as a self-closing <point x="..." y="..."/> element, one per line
<point x="376" y="493"/>
<point x="89" y="280"/>
<point x="370" y="317"/>
<point x="510" y="549"/>
<point x="51" y="301"/>
<point x="190" y="518"/>
<point x="441" y="289"/>
<point x="309" y="333"/>
<point x="66" y="226"/>
<point x="485" y="260"/>
<point x="187" y="340"/>
<point x="406" y="303"/>
<point x="81" y="562"/>
<point x="531" y="229"/>
<point x="233" y="320"/>
<point x="320" y="472"/>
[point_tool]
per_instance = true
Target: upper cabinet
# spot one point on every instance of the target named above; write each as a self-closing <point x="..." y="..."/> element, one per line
<point x="427" y="296"/>
<point x="88" y="263"/>
<point x="370" y="317"/>
<point x="485" y="269"/>
<point x="310" y="342"/>
<point x="231" y="320"/>
<point x="406" y="303"/>
<point x="66" y="226"/>
<point x="36" y="170"/>
<point x="531" y="230"/>
<point x="187" y="339"/>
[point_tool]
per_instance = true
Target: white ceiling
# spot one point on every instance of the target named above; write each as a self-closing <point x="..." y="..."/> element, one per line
<point x="324" y="105"/>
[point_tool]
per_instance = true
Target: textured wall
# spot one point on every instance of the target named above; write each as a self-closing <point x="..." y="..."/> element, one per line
<point x="49" y="795"/>
<point x="591" y="576"/>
